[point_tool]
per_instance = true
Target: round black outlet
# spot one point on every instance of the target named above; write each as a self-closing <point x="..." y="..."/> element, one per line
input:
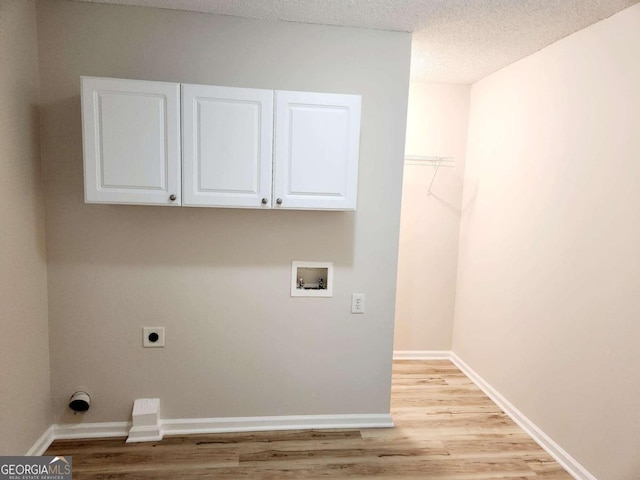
<point x="153" y="337"/>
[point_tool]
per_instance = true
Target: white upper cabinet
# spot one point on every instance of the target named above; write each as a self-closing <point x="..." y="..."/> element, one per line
<point x="158" y="143"/>
<point x="131" y="138"/>
<point x="227" y="136"/>
<point x="316" y="151"/>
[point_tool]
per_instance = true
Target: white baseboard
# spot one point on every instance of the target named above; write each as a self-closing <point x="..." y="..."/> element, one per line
<point x="91" y="430"/>
<point x="75" y="431"/>
<point x="145" y="433"/>
<point x="186" y="426"/>
<point x="255" y="424"/>
<point x="570" y="464"/>
<point x="421" y="355"/>
<point x="42" y="443"/>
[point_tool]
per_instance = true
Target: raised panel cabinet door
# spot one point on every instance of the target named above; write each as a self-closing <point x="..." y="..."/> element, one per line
<point x="131" y="141"/>
<point x="227" y="146"/>
<point x="316" y="151"/>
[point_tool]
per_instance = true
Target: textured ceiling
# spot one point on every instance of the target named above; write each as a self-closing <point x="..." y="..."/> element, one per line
<point x="454" y="41"/>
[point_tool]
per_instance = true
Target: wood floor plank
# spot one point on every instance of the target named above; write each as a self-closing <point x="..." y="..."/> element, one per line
<point x="446" y="429"/>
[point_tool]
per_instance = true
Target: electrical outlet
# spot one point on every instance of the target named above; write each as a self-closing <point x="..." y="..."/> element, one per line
<point x="357" y="303"/>
<point x="153" y="337"/>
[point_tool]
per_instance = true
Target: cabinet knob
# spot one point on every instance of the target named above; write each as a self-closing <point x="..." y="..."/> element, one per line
<point x="279" y="201"/>
<point x="172" y="197"/>
<point x="264" y="201"/>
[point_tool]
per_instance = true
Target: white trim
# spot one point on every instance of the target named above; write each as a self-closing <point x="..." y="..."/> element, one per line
<point x="41" y="445"/>
<point x="422" y="355"/>
<point x="145" y="433"/>
<point x="187" y="426"/>
<point x="91" y="430"/>
<point x="570" y="464"/>
<point x="254" y="424"/>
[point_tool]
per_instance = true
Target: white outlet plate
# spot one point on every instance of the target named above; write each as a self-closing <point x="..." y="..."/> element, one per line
<point x="357" y="303"/>
<point x="147" y="343"/>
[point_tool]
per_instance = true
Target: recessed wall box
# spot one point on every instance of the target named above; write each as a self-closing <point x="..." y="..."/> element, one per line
<point x="311" y="279"/>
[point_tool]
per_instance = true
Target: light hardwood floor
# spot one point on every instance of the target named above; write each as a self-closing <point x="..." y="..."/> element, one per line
<point x="446" y="428"/>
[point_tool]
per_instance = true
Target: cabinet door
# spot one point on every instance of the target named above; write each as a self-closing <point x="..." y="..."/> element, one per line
<point x="316" y="151"/>
<point x="227" y="146"/>
<point x="131" y="138"/>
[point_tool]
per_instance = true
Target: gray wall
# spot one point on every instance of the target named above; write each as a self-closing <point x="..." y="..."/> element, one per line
<point x="218" y="279"/>
<point x="25" y="405"/>
<point x="549" y="269"/>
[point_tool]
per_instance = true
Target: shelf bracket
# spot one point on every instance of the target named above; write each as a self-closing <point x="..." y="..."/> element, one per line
<point x="429" y="161"/>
